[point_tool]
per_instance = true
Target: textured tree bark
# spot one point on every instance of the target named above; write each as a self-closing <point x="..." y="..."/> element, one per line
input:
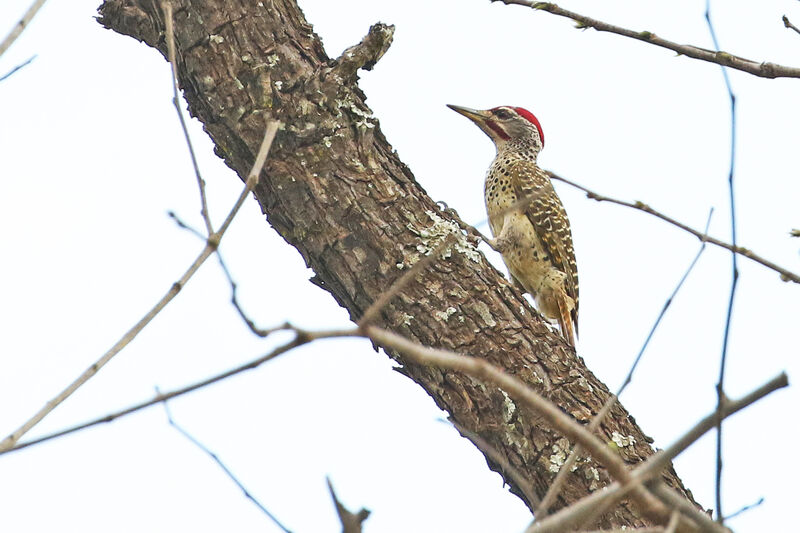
<point x="336" y="191"/>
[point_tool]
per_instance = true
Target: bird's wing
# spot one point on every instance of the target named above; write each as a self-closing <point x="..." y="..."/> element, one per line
<point x="550" y="221"/>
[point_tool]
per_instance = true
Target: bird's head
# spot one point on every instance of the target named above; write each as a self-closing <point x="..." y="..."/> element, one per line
<point x="506" y="125"/>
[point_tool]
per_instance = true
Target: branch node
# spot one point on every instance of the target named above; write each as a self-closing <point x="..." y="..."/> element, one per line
<point x="366" y="53"/>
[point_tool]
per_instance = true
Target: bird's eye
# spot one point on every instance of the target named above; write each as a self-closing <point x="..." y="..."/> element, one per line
<point x="502" y="113"/>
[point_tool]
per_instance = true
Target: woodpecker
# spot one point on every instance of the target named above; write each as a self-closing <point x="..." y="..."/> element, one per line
<point x="527" y="219"/>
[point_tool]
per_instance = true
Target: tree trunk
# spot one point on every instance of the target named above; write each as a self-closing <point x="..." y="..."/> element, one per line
<point x="336" y="191"/>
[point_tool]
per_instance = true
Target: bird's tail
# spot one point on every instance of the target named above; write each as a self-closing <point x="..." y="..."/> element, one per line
<point x="565" y="318"/>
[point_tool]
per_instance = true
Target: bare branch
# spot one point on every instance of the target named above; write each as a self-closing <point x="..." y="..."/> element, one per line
<point x="222" y="465"/>
<point x="598" y="502"/>
<point x="763" y="70"/>
<point x="166" y="7"/>
<point x="301" y="338"/>
<point x="565" y="424"/>
<point x="734" y="275"/>
<point x="673" y="522"/>
<point x="211" y="246"/>
<point x="20" y="26"/>
<point x="786" y="275"/>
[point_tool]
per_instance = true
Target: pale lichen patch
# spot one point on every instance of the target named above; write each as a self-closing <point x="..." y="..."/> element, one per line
<point x="446" y="314"/>
<point x="509" y="407"/>
<point x="621" y="440"/>
<point x="360" y="254"/>
<point x="559" y="455"/>
<point x="485" y="313"/>
<point x="593" y="476"/>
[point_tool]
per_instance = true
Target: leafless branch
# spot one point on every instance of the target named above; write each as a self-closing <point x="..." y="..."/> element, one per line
<point x="562" y="422"/>
<point x="166" y="7"/>
<point x="673" y="522"/>
<point x="20" y="26"/>
<point x="789" y="25"/>
<point x="786" y="275"/>
<point x="734" y="276"/>
<point x="351" y="522"/>
<point x="222" y="465"/>
<point x="301" y="337"/>
<point x="211" y="245"/>
<point x="598" y="502"/>
<point x="763" y="70"/>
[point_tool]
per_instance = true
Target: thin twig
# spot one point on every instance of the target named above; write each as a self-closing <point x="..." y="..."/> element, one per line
<point x="629" y="377"/>
<point x="211" y="245"/>
<point x="789" y="25"/>
<point x="763" y="70"/>
<point x="13" y="70"/>
<point x="260" y="332"/>
<point x="301" y="338"/>
<point x="786" y="275"/>
<point x="745" y="509"/>
<point x="673" y="522"/>
<point x="21" y="25"/>
<point x="734" y="276"/>
<point x="685" y="508"/>
<point x="222" y="465"/>
<point x="166" y="7"/>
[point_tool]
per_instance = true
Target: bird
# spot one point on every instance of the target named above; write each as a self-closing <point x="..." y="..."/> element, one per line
<point x="528" y="221"/>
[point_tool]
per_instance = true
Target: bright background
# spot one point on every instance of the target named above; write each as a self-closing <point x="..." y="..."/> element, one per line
<point x="93" y="158"/>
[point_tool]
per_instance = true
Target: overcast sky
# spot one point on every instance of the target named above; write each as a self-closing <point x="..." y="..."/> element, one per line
<point x="93" y="159"/>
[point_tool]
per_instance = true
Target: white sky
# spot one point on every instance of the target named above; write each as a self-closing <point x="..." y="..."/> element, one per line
<point x="93" y="158"/>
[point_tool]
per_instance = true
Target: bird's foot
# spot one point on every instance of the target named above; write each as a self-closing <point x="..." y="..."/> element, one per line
<point x="500" y="244"/>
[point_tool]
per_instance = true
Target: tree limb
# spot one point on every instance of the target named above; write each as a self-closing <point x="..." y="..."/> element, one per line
<point x="335" y="190"/>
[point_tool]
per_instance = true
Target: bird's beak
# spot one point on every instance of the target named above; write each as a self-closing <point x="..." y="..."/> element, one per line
<point x="479" y="117"/>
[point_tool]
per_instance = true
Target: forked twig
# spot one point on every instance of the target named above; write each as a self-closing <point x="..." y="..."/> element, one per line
<point x="211" y="245"/>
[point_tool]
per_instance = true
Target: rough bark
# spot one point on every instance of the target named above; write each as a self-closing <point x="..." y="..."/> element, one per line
<point x="335" y="190"/>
